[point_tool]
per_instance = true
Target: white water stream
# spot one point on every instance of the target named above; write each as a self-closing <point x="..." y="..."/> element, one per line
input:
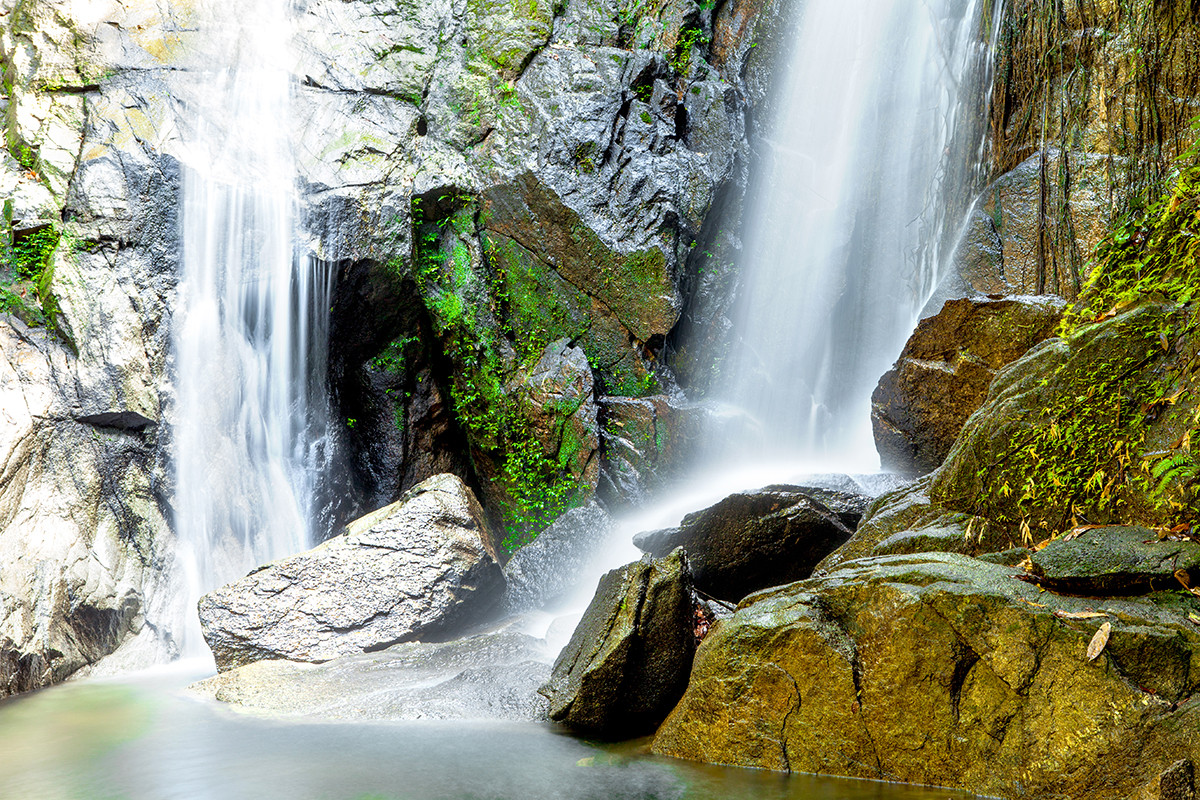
<point x="250" y="346"/>
<point x="847" y="216"/>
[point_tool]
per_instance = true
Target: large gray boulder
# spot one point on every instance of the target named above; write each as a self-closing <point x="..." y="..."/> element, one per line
<point x="415" y="568"/>
<point x="752" y="540"/>
<point x="627" y="663"/>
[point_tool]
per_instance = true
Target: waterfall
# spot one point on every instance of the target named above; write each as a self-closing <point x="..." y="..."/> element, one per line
<point x="251" y="415"/>
<point x="847" y="218"/>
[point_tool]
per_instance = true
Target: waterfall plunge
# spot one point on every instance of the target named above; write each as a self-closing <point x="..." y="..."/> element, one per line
<point x="846" y="233"/>
<point x="250" y="347"/>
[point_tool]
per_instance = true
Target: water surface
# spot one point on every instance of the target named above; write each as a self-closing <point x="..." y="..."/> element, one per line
<point x="150" y="741"/>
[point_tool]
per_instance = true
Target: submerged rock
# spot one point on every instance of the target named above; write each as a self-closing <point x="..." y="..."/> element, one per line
<point x="943" y="374"/>
<point x="627" y="662"/>
<point x="418" y="567"/>
<point x="492" y="676"/>
<point x="753" y="540"/>
<point x="942" y="669"/>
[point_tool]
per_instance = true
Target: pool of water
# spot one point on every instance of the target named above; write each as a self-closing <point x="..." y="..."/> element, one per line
<point x="149" y="740"/>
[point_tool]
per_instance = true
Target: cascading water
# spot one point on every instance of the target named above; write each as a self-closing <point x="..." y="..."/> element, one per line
<point x="250" y="349"/>
<point x="844" y="244"/>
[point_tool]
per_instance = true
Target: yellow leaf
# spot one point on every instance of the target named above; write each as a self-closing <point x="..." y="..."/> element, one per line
<point x="1099" y="641"/>
<point x="1194" y="617"/>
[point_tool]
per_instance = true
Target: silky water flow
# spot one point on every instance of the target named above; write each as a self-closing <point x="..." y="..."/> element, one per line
<point x="251" y="431"/>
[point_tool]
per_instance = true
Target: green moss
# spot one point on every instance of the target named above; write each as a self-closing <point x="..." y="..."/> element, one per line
<point x="1095" y="452"/>
<point x="28" y="271"/>
<point x="534" y="488"/>
<point x="690" y="39"/>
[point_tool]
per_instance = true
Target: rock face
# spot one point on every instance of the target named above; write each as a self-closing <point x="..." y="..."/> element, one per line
<point x="944" y="372"/>
<point x="494" y="676"/>
<point x="942" y="669"/>
<point x="627" y="663"/>
<point x="88" y="259"/>
<point x="1063" y="180"/>
<point x="547" y="572"/>
<point x="416" y="568"/>
<point x="750" y="541"/>
<point x="648" y="442"/>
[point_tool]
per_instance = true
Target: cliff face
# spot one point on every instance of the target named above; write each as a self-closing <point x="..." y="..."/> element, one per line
<point x="1092" y="103"/>
<point x="511" y="194"/>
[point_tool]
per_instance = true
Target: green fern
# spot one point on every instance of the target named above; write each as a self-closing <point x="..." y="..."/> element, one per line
<point x="1179" y="467"/>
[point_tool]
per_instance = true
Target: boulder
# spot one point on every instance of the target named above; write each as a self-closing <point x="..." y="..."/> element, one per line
<point x="627" y="663"/>
<point x="1073" y="430"/>
<point x="943" y="374"/>
<point x="419" y="567"/>
<point x="547" y="571"/>
<point x="942" y="669"/>
<point x="1114" y="560"/>
<point x="905" y="520"/>
<point x="752" y="540"/>
<point x="492" y="676"/>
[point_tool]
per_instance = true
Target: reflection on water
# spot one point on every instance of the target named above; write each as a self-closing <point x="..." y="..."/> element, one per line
<point x="114" y="741"/>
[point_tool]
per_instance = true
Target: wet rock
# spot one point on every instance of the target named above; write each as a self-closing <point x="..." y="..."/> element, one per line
<point x="546" y="571"/>
<point x="647" y="442"/>
<point x="417" y="568"/>
<point x="942" y="669"/>
<point x="753" y="540"/>
<point x="944" y="372"/>
<point x="1114" y="560"/>
<point x="905" y="521"/>
<point x="82" y="533"/>
<point x="557" y="397"/>
<point x="1067" y="401"/>
<point x="491" y="676"/>
<point x="979" y="257"/>
<point x="1178" y="782"/>
<point x="627" y="663"/>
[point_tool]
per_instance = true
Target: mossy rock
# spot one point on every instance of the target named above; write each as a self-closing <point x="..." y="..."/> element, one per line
<point x="942" y="669"/>
<point x="1069" y="432"/>
<point x="628" y="660"/>
<point x="1115" y="560"/>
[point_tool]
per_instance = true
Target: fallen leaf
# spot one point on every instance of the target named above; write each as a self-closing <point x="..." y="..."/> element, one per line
<point x="1042" y="545"/>
<point x="1112" y="312"/>
<point x="1079" y="614"/>
<point x="1099" y="641"/>
<point x="1194" y="617"/>
<point x="1075" y="533"/>
<point x="1178" y="533"/>
<point x="1184" y="579"/>
<point x="1030" y="602"/>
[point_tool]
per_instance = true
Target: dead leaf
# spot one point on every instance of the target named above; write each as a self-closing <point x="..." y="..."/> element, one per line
<point x="1042" y="545"/>
<point x="1112" y="312"/>
<point x="1031" y="603"/>
<point x="1079" y="614"/>
<point x="1194" y="618"/>
<point x="1075" y="533"/>
<point x="1186" y="581"/>
<point x="1099" y="641"/>
<point x="1179" y="533"/>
